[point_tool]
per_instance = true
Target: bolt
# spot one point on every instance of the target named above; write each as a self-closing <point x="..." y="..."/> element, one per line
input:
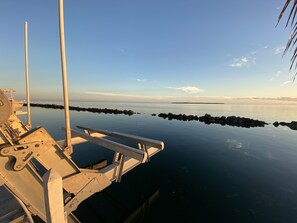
<point x="36" y="145"/>
<point x="5" y="151"/>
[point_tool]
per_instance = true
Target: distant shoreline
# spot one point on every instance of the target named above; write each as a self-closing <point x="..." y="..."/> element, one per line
<point x="199" y="103"/>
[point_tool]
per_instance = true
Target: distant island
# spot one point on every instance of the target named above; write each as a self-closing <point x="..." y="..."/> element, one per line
<point x="199" y="103"/>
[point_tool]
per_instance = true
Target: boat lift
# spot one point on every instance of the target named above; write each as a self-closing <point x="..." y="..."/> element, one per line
<point x="23" y="150"/>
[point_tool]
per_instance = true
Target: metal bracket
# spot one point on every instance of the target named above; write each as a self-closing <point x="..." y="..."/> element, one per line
<point x="120" y="159"/>
<point x="95" y="182"/>
<point x="22" y="153"/>
<point x="143" y="147"/>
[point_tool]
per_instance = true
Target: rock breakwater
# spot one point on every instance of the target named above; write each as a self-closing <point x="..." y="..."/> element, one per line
<point x="93" y="110"/>
<point x="208" y="119"/>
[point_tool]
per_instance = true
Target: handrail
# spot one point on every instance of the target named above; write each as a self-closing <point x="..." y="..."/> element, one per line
<point x="148" y="142"/>
<point x="117" y="147"/>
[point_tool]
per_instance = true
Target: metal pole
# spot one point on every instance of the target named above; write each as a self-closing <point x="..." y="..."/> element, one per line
<point x="68" y="147"/>
<point x="27" y="76"/>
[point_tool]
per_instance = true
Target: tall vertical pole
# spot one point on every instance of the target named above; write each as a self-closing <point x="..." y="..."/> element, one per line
<point x="27" y="75"/>
<point x="68" y="145"/>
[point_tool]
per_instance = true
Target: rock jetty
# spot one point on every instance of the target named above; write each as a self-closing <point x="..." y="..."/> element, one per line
<point x="292" y="125"/>
<point x="93" y="110"/>
<point x="208" y="119"/>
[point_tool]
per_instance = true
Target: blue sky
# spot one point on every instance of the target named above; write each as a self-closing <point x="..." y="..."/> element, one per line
<point x="157" y="50"/>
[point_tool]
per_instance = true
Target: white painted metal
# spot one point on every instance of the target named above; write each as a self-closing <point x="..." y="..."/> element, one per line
<point x="19" y="146"/>
<point x="111" y="170"/>
<point x="117" y="147"/>
<point x="27" y="75"/>
<point x="5" y="108"/>
<point x="79" y="140"/>
<point x="68" y="145"/>
<point x="84" y="185"/>
<point x="25" y="209"/>
<point x="119" y="173"/>
<point x="53" y="194"/>
<point x="149" y="142"/>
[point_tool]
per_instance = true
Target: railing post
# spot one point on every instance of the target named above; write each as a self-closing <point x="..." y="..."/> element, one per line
<point x="53" y="197"/>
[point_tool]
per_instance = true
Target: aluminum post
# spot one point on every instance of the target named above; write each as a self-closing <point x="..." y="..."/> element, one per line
<point x="68" y="145"/>
<point x="27" y="74"/>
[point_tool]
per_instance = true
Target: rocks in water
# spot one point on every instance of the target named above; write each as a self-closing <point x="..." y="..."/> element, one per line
<point x="181" y="117"/>
<point x="208" y="119"/>
<point x="232" y="121"/>
<point x="93" y="110"/>
<point x="292" y="125"/>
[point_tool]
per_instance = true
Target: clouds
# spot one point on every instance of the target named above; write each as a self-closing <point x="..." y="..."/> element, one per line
<point x="284" y="99"/>
<point x="240" y="62"/>
<point x="188" y="89"/>
<point x="249" y="59"/>
<point x="126" y="96"/>
<point x="278" y="73"/>
<point x="287" y="82"/>
<point x="278" y="50"/>
<point x="108" y="94"/>
<point x="244" y="61"/>
<point x="140" y="80"/>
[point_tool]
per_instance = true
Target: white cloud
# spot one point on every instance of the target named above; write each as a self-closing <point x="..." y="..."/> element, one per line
<point x="287" y="82"/>
<point x="278" y="50"/>
<point x="241" y="62"/>
<point x="279" y="72"/>
<point x="266" y="47"/>
<point x="111" y="94"/>
<point x="188" y="89"/>
<point x="276" y="99"/>
<point x="140" y="80"/>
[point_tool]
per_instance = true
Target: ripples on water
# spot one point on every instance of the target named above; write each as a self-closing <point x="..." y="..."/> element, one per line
<point x="207" y="173"/>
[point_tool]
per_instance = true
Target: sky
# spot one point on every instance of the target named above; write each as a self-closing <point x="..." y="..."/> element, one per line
<point x="149" y="51"/>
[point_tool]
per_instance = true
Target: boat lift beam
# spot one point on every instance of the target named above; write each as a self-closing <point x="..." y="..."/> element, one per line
<point x="24" y="151"/>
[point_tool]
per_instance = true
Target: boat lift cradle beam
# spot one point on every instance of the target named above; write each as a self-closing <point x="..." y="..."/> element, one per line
<point x="21" y="148"/>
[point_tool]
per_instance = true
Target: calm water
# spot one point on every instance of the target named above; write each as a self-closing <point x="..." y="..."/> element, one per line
<point x="207" y="173"/>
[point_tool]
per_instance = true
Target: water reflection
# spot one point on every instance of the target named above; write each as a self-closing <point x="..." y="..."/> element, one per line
<point x="205" y="174"/>
<point x="108" y="206"/>
<point x="234" y="144"/>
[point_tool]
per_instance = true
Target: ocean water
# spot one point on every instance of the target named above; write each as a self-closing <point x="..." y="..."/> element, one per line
<point x="207" y="173"/>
